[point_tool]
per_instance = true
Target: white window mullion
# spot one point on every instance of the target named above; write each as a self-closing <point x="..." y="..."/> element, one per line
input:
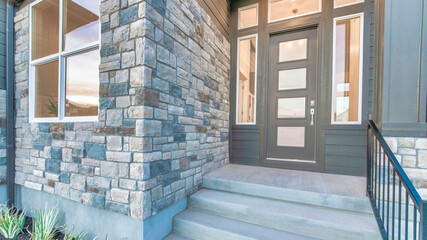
<point x="61" y="89"/>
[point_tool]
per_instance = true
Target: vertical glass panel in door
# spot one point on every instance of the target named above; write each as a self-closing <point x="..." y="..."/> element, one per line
<point x="47" y="90"/>
<point x="246" y="81"/>
<point x="291" y="107"/>
<point x="291" y="136"/>
<point x="81" y="25"/>
<point x="284" y="9"/>
<point x="293" y="79"/>
<point x="248" y="17"/>
<point x="82" y="85"/>
<point x="347" y="71"/>
<point x="45" y="29"/>
<point x="293" y="50"/>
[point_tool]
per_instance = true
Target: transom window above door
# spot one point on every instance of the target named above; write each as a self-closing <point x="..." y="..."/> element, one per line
<point x="64" y="60"/>
<point x="285" y="9"/>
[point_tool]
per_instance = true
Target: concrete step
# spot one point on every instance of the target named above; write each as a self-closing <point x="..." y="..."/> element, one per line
<point x="322" y="223"/>
<point x="241" y="180"/>
<point x="174" y="236"/>
<point x="205" y="226"/>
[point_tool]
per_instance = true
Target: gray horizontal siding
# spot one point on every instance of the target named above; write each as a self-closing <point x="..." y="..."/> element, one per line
<point x="245" y="147"/>
<point x="2" y="44"/>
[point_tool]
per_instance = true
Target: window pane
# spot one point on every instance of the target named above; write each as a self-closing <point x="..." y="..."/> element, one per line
<point x="291" y="136"/>
<point x="47" y="90"/>
<point x="346" y="2"/>
<point x="291" y="107"/>
<point x="82" y="85"/>
<point x="282" y="9"/>
<point x="246" y="80"/>
<point x="82" y="24"/>
<point x="45" y="29"/>
<point x="293" y="50"/>
<point x="347" y="67"/>
<point x="248" y="17"/>
<point x="293" y="79"/>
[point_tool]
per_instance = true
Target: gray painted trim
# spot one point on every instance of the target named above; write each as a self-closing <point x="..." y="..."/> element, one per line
<point x="10" y="108"/>
<point x="3" y="194"/>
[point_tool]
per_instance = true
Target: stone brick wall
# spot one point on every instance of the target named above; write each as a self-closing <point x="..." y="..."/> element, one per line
<point x="412" y="154"/>
<point x="2" y="136"/>
<point x="163" y="117"/>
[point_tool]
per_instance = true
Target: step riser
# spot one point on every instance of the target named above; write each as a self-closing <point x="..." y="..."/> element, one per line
<point x="196" y="231"/>
<point x="358" y="205"/>
<point x="303" y="226"/>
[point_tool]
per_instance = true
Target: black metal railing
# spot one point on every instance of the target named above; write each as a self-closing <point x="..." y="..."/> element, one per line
<point x="398" y="207"/>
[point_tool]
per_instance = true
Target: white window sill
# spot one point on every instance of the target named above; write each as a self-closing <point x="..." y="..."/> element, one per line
<point x="64" y="120"/>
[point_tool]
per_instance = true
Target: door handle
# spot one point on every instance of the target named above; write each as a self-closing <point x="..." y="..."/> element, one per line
<point x="312" y="116"/>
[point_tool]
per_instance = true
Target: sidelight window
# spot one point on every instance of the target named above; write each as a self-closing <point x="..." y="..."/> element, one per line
<point x="347" y="70"/>
<point x="64" y="60"/>
<point x="246" y="79"/>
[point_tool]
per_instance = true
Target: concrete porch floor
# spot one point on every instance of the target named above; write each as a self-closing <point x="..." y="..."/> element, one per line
<point x="323" y="183"/>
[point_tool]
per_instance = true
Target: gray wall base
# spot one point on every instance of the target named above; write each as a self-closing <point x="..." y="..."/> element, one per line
<point x="3" y="194"/>
<point x="99" y="222"/>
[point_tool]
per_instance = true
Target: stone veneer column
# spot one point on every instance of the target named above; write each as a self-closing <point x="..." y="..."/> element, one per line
<point x="163" y="117"/>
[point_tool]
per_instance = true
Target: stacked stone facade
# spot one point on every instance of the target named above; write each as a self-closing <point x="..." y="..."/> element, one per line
<point x="3" y="166"/>
<point x="412" y="154"/>
<point x="163" y="115"/>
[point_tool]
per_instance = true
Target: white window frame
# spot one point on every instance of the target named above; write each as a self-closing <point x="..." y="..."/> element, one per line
<point x="237" y="78"/>
<point x="61" y="58"/>
<point x="360" y="107"/>
<point x="348" y="4"/>
<point x="286" y="18"/>
<point x="244" y="8"/>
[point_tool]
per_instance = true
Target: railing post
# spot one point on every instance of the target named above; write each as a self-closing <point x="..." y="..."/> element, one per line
<point x="368" y="166"/>
<point x="423" y="220"/>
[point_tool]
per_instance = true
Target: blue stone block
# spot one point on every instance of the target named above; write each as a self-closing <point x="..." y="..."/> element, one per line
<point x="53" y="166"/>
<point x="98" y="201"/>
<point x="105" y="27"/>
<point x="189" y="111"/>
<point x="3" y="142"/>
<point x="107" y="103"/>
<point x="163" y="203"/>
<point x="129" y="122"/>
<point x="96" y="151"/>
<point x="64" y="177"/>
<point x="206" y="121"/>
<point x="177" y="128"/>
<point x="224" y="136"/>
<point x="56" y="153"/>
<point x="76" y="152"/>
<point x="179" y="137"/>
<point x="175" y="91"/>
<point x="117" y="207"/>
<point x="160" y="7"/>
<point x="77" y="160"/>
<point x="69" y="126"/>
<point x="38" y="147"/>
<point x="3" y="161"/>
<point x="118" y="89"/>
<point x="171" y="177"/>
<point x="215" y="104"/>
<point x="129" y="15"/>
<point x="167" y="128"/>
<point x="205" y="107"/>
<point x="108" y="51"/>
<point x="44" y="127"/>
<point x="158" y="168"/>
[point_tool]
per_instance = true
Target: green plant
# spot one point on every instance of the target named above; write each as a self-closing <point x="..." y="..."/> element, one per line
<point x="45" y="224"/>
<point x="70" y="235"/>
<point x="11" y="222"/>
<point x="52" y="107"/>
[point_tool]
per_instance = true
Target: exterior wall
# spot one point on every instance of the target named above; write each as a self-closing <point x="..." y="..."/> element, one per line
<point x="163" y="117"/>
<point x="219" y="11"/>
<point x="412" y="154"/>
<point x="3" y="166"/>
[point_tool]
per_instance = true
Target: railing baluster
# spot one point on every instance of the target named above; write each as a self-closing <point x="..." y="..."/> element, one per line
<point x="400" y="209"/>
<point x="415" y="222"/>
<point x="379" y="181"/>
<point x="375" y="169"/>
<point x="383" y="183"/>
<point x="394" y="207"/>
<point x="406" y="215"/>
<point x="388" y="196"/>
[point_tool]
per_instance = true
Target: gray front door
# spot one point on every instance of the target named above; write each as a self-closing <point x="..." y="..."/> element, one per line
<point x="292" y="109"/>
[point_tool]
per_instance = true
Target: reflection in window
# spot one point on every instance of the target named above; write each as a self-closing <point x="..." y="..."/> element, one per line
<point x="339" y="3"/>
<point x="284" y="9"/>
<point x="293" y="50"/>
<point x="291" y="136"/>
<point x="347" y="71"/>
<point x="45" y="28"/>
<point x="81" y="26"/>
<point x="248" y="16"/>
<point x="82" y="85"/>
<point x="47" y="90"/>
<point x="246" y="80"/>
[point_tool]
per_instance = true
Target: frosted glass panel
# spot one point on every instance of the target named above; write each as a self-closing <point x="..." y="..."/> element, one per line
<point x="248" y="17"/>
<point x="293" y="50"/>
<point x="291" y="107"/>
<point x="291" y="136"/>
<point x="293" y="79"/>
<point x="283" y="9"/>
<point x="346" y="2"/>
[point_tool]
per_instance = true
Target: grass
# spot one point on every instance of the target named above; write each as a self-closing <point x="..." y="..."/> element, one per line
<point x="11" y="222"/>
